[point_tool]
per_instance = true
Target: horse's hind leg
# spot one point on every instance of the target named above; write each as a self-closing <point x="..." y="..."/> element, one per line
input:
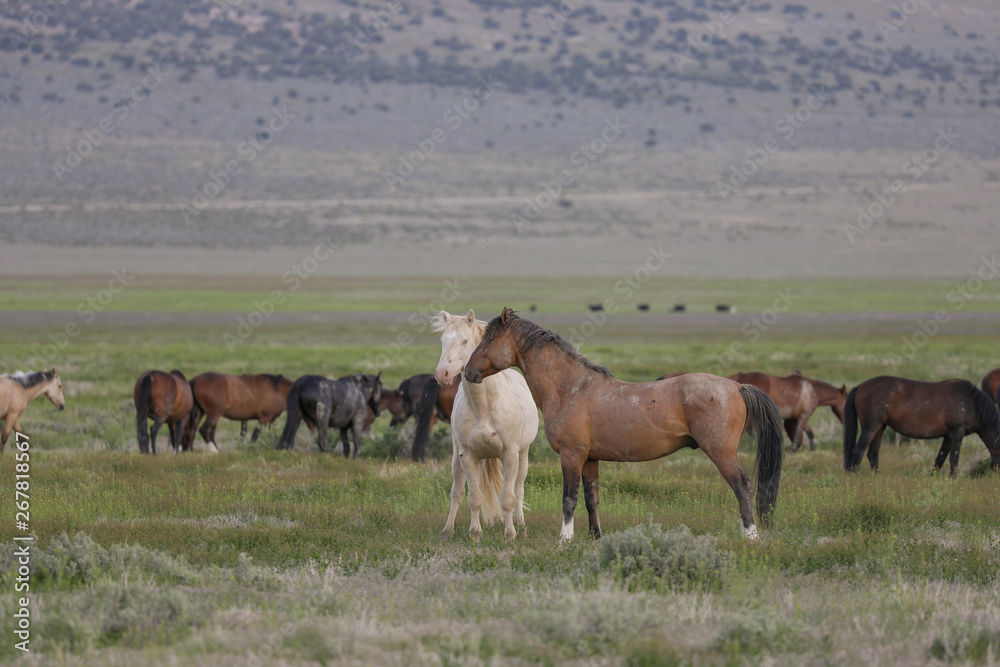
<point x="254" y="435"/>
<point x="738" y="481"/>
<point x="157" y="423"/>
<point x="470" y="465"/>
<point x="874" y="448"/>
<point x="322" y="425"/>
<point x="511" y="463"/>
<point x="864" y="440"/>
<point x="522" y="473"/>
<point x="457" y="486"/>
<point x="243" y="430"/>
<point x="591" y="477"/>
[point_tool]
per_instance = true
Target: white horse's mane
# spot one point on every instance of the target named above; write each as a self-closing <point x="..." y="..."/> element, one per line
<point x="446" y="321"/>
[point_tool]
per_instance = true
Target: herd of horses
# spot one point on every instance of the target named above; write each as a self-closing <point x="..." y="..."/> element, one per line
<point x="589" y="415"/>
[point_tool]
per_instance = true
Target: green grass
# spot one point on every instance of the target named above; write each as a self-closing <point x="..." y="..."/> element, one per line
<point x="255" y="554"/>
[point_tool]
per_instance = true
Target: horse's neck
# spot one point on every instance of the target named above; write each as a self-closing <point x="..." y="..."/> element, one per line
<point x="32" y="393"/>
<point x="826" y="394"/>
<point x="552" y="374"/>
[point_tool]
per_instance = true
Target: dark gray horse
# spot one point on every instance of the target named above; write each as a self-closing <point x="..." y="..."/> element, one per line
<point x="341" y="403"/>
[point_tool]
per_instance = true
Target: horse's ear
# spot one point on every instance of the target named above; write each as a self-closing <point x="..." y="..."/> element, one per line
<point x="470" y="317"/>
<point x="379" y="376"/>
<point x="440" y="321"/>
<point x="505" y="315"/>
<point x="843" y="389"/>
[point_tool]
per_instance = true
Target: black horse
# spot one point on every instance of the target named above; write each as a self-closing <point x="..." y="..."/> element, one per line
<point x="428" y="403"/>
<point x="341" y="403"/>
<point x="922" y="410"/>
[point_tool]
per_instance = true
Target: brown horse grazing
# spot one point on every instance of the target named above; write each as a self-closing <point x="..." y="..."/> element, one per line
<point x="991" y="385"/>
<point x="794" y="396"/>
<point x="237" y="397"/>
<point x="164" y="397"/>
<point x="826" y="394"/>
<point x="922" y="410"/>
<point x="591" y="416"/>
<point x="427" y="402"/>
<point x="19" y="389"/>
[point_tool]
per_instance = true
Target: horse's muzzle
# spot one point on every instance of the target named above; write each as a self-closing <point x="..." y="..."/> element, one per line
<point x="473" y="377"/>
<point x="61" y="407"/>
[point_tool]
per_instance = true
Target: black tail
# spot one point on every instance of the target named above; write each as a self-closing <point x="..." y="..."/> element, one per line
<point x="142" y="413"/>
<point x="762" y="413"/>
<point x="985" y="386"/>
<point x="293" y="415"/>
<point x="850" y="430"/>
<point x="423" y="412"/>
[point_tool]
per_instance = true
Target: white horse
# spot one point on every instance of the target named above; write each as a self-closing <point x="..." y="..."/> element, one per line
<point x="492" y="426"/>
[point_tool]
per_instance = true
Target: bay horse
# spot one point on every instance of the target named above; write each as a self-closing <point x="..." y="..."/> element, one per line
<point x="991" y="385"/>
<point x="343" y="403"/>
<point x="237" y="397"/>
<point x="164" y="398"/>
<point x="922" y="410"/>
<point x="428" y="402"/>
<point x="794" y="396"/>
<point x="20" y="388"/>
<point x="493" y="424"/>
<point x="590" y="416"/>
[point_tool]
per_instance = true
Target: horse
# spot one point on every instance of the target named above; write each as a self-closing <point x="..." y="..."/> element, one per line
<point x="166" y="398"/>
<point x="826" y="394"/>
<point x="428" y="402"/>
<point x="20" y="388"/>
<point x="493" y="424"/>
<point x="922" y="410"/>
<point x="237" y="397"/>
<point x="341" y="403"/>
<point x="392" y="401"/>
<point x="590" y="416"/>
<point x="794" y="396"/>
<point x="991" y="385"/>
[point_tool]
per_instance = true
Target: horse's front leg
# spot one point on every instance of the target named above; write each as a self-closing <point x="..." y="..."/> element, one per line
<point x="572" y="465"/>
<point x="8" y="424"/>
<point x="522" y="473"/>
<point x="511" y="462"/>
<point x="591" y="475"/>
<point x="457" y="485"/>
<point x="470" y="465"/>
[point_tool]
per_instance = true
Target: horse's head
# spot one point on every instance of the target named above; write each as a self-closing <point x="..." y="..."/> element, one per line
<point x="459" y="338"/>
<point x="838" y="406"/>
<point x="371" y="387"/>
<point x="392" y="400"/>
<point x="497" y="350"/>
<point x="54" y="391"/>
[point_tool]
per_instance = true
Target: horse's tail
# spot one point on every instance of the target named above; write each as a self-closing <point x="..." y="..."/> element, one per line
<point x="850" y="429"/>
<point x="191" y="426"/>
<point x="491" y="478"/>
<point x="293" y="415"/>
<point x="424" y="412"/>
<point x="142" y="412"/>
<point x="763" y="414"/>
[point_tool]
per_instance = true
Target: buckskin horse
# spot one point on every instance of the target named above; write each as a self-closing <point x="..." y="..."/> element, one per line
<point x="164" y="398"/>
<point x="590" y="417"/>
<point x="343" y="403"/>
<point x="237" y="397"/>
<point x="20" y="388"/>
<point x="493" y="424"/>
<point x="922" y="410"/>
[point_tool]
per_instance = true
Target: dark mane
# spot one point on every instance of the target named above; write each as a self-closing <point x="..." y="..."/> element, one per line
<point x="28" y="379"/>
<point x="275" y="379"/>
<point x="530" y="336"/>
<point x="988" y="414"/>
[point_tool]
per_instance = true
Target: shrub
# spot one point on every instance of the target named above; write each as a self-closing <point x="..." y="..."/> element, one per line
<point x="962" y="641"/>
<point x="647" y="558"/>
<point x="754" y="631"/>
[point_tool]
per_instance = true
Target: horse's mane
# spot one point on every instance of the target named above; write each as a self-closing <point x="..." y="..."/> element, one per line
<point x="275" y="379"/>
<point x="28" y="379"/>
<point x="440" y="322"/>
<point x="530" y="336"/>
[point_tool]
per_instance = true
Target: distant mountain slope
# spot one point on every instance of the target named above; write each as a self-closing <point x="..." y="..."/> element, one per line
<point x="904" y="58"/>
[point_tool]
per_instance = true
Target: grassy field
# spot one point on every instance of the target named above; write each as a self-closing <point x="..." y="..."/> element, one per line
<point x="254" y="556"/>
